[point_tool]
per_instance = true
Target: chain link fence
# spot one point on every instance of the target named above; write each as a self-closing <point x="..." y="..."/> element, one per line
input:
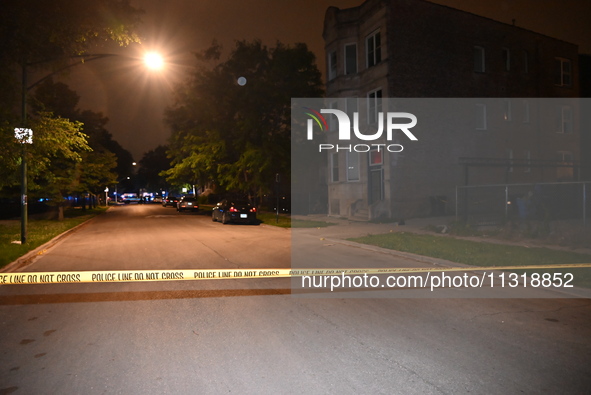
<point x="483" y="205"/>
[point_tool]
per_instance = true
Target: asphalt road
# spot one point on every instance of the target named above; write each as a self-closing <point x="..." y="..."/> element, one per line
<point x="253" y="337"/>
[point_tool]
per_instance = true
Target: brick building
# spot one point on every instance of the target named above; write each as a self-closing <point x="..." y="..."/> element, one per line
<point x="417" y="49"/>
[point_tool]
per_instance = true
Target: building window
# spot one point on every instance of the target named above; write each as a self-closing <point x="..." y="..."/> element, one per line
<point x="374" y="106"/>
<point x="527" y="156"/>
<point x="332" y="65"/>
<point x="376" y="176"/>
<point x="373" y="44"/>
<point x="352" y="107"/>
<point x="479" y="60"/>
<point x="332" y="119"/>
<point x="376" y="157"/>
<point x="334" y="167"/>
<point x="565" y="120"/>
<point x="350" y="59"/>
<point x="480" y="116"/>
<point x="506" y="59"/>
<point x="562" y="72"/>
<point x="565" y="157"/>
<point x="352" y="166"/>
<point x="507" y="110"/>
<point x="567" y="160"/>
<point x="525" y="62"/>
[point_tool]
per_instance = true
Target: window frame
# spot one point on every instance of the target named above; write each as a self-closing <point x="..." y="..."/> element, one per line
<point x="355" y="58"/>
<point x="479" y="50"/>
<point x="506" y="59"/>
<point x="376" y="108"/>
<point x="566" y="120"/>
<point x="375" y="50"/>
<point x="353" y="170"/>
<point x="334" y="167"/>
<point x="332" y="65"/>
<point x="563" y="74"/>
<point x="527" y="156"/>
<point x="507" y="110"/>
<point x="482" y="123"/>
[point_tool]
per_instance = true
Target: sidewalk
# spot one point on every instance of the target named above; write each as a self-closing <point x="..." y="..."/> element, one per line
<point x="345" y="229"/>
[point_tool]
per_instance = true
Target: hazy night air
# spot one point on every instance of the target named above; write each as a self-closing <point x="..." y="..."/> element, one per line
<point x="305" y="196"/>
<point x="178" y="28"/>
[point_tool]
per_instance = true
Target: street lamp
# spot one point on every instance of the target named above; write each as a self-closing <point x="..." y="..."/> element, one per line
<point x="154" y="62"/>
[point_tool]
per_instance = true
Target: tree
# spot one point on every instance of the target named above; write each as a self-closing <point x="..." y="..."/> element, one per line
<point x="238" y="135"/>
<point x="99" y="138"/>
<point x="68" y="156"/>
<point x="47" y="33"/>
<point x="55" y="157"/>
<point x="41" y="30"/>
<point x="152" y="164"/>
<point x="95" y="171"/>
<point x="58" y="98"/>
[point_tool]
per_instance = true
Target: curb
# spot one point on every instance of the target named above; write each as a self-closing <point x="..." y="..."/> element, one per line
<point x="30" y="256"/>
<point x="577" y="292"/>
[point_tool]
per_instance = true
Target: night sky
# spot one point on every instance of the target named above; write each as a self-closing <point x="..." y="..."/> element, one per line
<point x="134" y="100"/>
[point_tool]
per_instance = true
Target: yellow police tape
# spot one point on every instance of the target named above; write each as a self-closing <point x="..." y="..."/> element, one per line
<point x="110" y="276"/>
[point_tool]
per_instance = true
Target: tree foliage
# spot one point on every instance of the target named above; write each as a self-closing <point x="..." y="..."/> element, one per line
<point x="41" y="35"/>
<point x="58" y="146"/>
<point x="238" y="136"/>
<point x="152" y="164"/>
<point x="41" y="30"/>
<point x="95" y="171"/>
<point x="67" y="156"/>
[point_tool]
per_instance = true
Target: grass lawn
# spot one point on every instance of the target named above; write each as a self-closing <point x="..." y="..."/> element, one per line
<point x="285" y="221"/>
<point x="38" y="232"/>
<point x="481" y="253"/>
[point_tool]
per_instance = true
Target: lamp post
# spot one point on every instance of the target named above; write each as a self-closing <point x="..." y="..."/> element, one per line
<point x="151" y="60"/>
<point x="24" y="202"/>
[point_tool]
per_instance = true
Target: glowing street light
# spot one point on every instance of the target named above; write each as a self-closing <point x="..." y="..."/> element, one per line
<point x="153" y="61"/>
<point x="23" y="134"/>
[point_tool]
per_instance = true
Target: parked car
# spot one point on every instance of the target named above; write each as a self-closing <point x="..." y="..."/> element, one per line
<point x="157" y="199"/>
<point x="187" y="203"/>
<point x="228" y="211"/>
<point x="170" y="201"/>
<point x="128" y="198"/>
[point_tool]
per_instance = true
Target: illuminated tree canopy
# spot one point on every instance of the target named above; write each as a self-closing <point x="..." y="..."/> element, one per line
<point x="237" y="135"/>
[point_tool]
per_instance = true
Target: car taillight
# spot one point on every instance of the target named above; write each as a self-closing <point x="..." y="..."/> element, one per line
<point x="233" y="209"/>
<point x="253" y="210"/>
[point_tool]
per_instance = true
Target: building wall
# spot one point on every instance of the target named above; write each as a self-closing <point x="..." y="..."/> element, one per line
<point x="428" y="51"/>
